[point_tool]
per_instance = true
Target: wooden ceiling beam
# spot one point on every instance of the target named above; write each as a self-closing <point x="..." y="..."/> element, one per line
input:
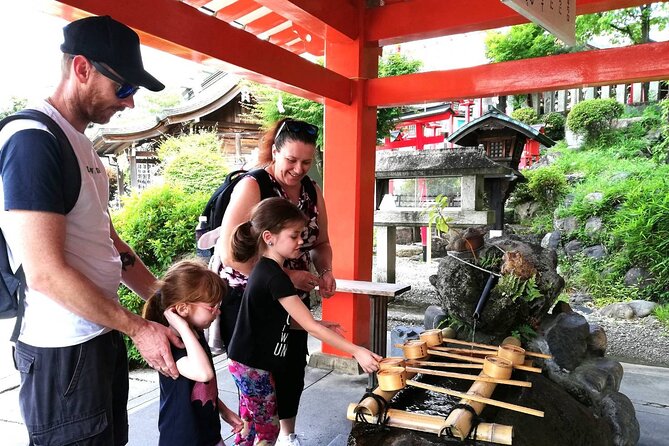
<point x="423" y="19"/>
<point x="636" y="63"/>
<point x="323" y="18"/>
<point x="182" y="30"/>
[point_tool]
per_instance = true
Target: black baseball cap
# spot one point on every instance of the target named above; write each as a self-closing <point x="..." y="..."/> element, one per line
<point x="103" y="39"/>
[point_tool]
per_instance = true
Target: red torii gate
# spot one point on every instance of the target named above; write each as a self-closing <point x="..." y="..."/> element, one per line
<point x="350" y="35"/>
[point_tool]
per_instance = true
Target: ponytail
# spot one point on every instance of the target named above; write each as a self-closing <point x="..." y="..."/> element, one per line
<point x="245" y="242"/>
<point x="153" y="310"/>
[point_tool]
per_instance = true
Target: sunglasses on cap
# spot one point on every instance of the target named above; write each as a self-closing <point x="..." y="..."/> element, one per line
<point x="124" y="90"/>
<point x="297" y="127"/>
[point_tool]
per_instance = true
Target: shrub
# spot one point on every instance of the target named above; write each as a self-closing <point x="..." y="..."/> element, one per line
<point x="554" y="125"/>
<point x="525" y="115"/>
<point x="593" y="116"/>
<point x="193" y="161"/>
<point x="547" y="186"/>
<point x="159" y="224"/>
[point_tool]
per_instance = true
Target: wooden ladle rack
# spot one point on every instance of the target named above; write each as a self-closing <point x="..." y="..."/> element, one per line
<point x="496" y="364"/>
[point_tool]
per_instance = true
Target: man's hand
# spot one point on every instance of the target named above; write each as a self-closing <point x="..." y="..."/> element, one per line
<point x="302" y="280"/>
<point x="327" y="284"/>
<point x="153" y="342"/>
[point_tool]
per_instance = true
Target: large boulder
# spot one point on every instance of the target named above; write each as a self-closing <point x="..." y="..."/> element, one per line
<point x="460" y="285"/>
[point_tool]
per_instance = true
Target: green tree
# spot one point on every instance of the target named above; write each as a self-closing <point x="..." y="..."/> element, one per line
<point x="193" y="162"/>
<point x="272" y="105"/>
<point x="624" y="26"/>
<point x="521" y="42"/>
<point x="15" y="105"/>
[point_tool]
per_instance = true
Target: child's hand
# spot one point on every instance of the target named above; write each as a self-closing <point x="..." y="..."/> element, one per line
<point x="176" y="321"/>
<point x="231" y="418"/>
<point x="334" y="326"/>
<point x="368" y="360"/>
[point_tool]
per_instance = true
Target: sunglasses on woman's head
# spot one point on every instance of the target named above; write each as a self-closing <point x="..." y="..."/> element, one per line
<point x="296" y="127"/>
<point x="124" y="90"/>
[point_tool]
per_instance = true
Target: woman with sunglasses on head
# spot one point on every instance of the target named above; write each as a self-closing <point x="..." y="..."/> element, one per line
<point x="287" y="153"/>
<point x="188" y="301"/>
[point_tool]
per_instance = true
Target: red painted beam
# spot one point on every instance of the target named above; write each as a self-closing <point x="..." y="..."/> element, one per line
<point x="180" y="29"/>
<point x="636" y="63"/>
<point x="236" y="10"/>
<point x="423" y="19"/>
<point x="331" y="18"/>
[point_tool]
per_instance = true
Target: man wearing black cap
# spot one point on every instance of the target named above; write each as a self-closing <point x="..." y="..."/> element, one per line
<point x="72" y="359"/>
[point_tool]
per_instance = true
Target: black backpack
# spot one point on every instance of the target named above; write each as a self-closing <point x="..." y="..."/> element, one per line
<point x="12" y="289"/>
<point x="220" y="199"/>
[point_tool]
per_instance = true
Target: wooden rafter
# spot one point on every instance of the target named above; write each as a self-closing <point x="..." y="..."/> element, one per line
<point x="183" y="30"/>
<point x="319" y="17"/>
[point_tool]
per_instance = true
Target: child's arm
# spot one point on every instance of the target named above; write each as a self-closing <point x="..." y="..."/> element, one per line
<point x="195" y="365"/>
<point x="298" y="311"/>
<point x="230" y="417"/>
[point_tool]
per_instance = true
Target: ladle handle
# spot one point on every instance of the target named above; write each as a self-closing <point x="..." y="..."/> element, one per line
<point x="478" y="399"/>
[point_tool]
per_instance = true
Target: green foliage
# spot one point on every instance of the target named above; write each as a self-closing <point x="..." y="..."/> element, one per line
<point x="526" y="115"/>
<point x="514" y="287"/>
<point x="662" y="314"/>
<point x="436" y="214"/>
<point x="630" y="25"/>
<point x="267" y="109"/>
<point x="492" y="260"/>
<point x="597" y="278"/>
<point x="661" y="152"/>
<point x="521" y="42"/>
<point x="272" y="105"/>
<point x="554" y="125"/>
<point x="524" y="332"/>
<point x="192" y="161"/>
<point x="641" y="229"/>
<point x="593" y="116"/>
<point x="158" y="223"/>
<point x="547" y="186"/>
<point x="15" y="105"/>
<point x="134" y="303"/>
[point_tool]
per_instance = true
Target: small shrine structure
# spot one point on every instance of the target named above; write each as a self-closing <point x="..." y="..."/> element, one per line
<point x="502" y="139"/>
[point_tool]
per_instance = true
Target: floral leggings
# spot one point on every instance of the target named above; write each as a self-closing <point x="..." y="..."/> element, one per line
<point x="257" y="405"/>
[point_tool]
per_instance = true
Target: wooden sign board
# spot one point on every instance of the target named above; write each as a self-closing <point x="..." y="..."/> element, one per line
<point x="556" y="16"/>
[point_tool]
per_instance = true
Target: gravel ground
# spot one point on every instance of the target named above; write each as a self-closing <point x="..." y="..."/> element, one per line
<point x="642" y="341"/>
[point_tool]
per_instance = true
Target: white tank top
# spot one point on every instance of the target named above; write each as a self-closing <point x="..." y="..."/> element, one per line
<point x="88" y="245"/>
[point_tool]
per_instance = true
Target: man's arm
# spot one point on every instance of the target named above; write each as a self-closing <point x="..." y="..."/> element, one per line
<point x="40" y="243"/>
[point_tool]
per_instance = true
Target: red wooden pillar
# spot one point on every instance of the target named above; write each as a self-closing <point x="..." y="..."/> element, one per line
<point x="349" y="166"/>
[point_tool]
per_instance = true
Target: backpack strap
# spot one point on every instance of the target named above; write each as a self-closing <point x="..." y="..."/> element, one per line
<point x="264" y="183"/>
<point x="15" y="282"/>
<point x="267" y="187"/>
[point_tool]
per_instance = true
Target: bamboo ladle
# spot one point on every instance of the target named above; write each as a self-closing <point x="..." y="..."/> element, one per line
<point x="480" y="399"/>
<point x="446" y="365"/>
<point x="488" y="379"/>
<point x="490" y="347"/>
<point x="480" y="360"/>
